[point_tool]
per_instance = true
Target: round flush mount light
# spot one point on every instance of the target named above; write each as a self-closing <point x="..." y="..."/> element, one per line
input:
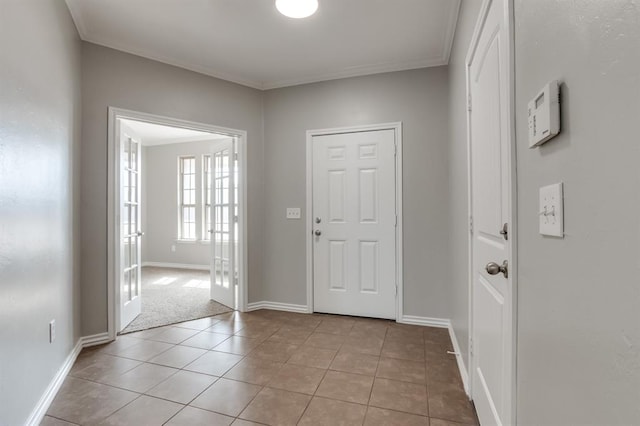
<point x="297" y="8"/>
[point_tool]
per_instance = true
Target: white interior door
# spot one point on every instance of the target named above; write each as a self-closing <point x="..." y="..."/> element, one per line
<point x="223" y="223"/>
<point x="130" y="231"/>
<point x="491" y="343"/>
<point x="354" y="215"/>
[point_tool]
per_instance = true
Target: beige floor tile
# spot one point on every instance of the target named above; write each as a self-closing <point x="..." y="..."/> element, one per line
<point x="191" y="416"/>
<point x="443" y="369"/>
<point x="254" y="370"/>
<point x="369" y="345"/>
<point x="52" y="421"/>
<point x="351" y="362"/>
<point x="403" y="370"/>
<point x="178" y="356"/>
<point x="345" y="387"/>
<point x="83" y="402"/>
<point x="329" y="412"/>
<point x="238" y="345"/>
<point x="312" y="357"/>
<point x="448" y="401"/>
<point x="143" y="411"/>
<point x="381" y="417"/>
<point x="257" y="331"/>
<point x="174" y="335"/>
<point x="273" y="351"/>
<point x="214" y="363"/>
<point x="141" y="378"/>
<point x="182" y="387"/>
<point x="400" y="396"/>
<point x="198" y="324"/>
<point x="336" y="325"/>
<point x="440" y="422"/>
<point x="437" y="336"/>
<point x="145" y="334"/>
<point x="297" y="378"/>
<point x="226" y="397"/>
<point x="98" y="366"/>
<point x="205" y="340"/>
<point x="145" y="350"/>
<point x="240" y="422"/>
<point x="411" y="349"/>
<point x="226" y="327"/>
<point x="121" y="343"/>
<point x="325" y="340"/>
<point x="276" y="407"/>
<point x="294" y="336"/>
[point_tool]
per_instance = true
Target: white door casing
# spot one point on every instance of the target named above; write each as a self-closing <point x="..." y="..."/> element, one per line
<point x="130" y="222"/>
<point x="492" y="294"/>
<point x="223" y="223"/>
<point x="354" y="223"/>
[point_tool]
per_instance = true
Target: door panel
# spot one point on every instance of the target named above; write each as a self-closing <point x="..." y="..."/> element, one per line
<point x="223" y="227"/>
<point x="130" y="232"/>
<point x="490" y="193"/>
<point x="354" y="201"/>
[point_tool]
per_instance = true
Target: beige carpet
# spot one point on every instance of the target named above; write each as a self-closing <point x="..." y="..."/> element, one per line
<point x="174" y="295"/>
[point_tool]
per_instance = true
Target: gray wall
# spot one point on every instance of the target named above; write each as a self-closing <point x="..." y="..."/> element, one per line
<point x="112" y="78"/>
<point x="161" y="191"/>
<point x="579" y="297"/>
<point x="419" y="99"/>
<point x="458" y="177"/>
<point x="39" y="152"/>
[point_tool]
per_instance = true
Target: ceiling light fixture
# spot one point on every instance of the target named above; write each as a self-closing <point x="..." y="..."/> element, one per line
<point x="297" y="8"/>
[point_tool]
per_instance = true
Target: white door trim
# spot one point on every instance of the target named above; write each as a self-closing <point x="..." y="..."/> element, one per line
<point x="113" y="201"/>
<point x="397" y="127"/>
<point x="511" y="371"/>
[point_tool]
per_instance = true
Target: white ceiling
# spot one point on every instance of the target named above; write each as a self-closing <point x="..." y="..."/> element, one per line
<point x="156" y="134"/>
<point x="249" y="42"/>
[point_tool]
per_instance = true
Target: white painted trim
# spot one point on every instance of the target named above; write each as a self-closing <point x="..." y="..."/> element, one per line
<point x="511" y="369"/>
<point x="113" y="203"/>
<point x="50" y="392"/>
<point x="461" y="367"/>
<point x="95" y="339"/>
<point x="397" y="127"/>
<point x="177" y="266"/>
<point x="425" y="321"/>
<point x="277" y="306"/>
<point x="450" y="34"/>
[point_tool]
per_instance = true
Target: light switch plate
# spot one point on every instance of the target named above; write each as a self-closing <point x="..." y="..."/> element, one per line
<point x="293" y="213"/>
<point x="551" y="212"/>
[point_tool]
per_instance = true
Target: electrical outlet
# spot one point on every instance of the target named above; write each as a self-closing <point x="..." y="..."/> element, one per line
<point x="52" y="331"/>
<point x="293" y="213"/>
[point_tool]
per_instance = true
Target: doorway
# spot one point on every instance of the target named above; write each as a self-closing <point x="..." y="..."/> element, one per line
<point x="492" y="284"/>
<point x="354" y="235"/>
<point x="172" y="185"/>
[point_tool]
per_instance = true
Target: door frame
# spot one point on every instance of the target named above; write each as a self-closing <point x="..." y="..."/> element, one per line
<point x="512" y="331"/>
<point x="113" y="202"/>
<point x="397" y="128"/>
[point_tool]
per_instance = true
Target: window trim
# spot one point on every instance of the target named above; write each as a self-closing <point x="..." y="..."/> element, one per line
<point x="181" y="204"/>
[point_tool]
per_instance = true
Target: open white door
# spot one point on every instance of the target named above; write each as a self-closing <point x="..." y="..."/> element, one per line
<point x="492" y="290"/>
<point x="223" y="223"/>
<point x="130" y="232"/>
<point x="354" y="223"/>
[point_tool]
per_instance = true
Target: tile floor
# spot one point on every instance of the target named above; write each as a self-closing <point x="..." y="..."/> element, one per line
<point x="268" y="367"/>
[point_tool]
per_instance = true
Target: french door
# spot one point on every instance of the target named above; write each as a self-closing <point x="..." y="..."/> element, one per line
<point x="130" y="231"/>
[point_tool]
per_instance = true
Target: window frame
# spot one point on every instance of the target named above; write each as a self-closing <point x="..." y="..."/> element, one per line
<point x="181" y="198"/>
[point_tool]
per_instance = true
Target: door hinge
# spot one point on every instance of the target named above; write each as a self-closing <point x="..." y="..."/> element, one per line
<point x="235" y="156"/>
<point x="395" y="149"/>
<point x="396" y="289"/>
<point x="396" y="224"/>
<point x="471" y="346"/>
<point x="469" y="104"/>
<point x="471" y="224"/>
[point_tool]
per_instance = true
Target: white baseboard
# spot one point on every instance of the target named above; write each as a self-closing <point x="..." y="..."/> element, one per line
<point x="426" y="321"/>
<point x="177" y="265"/>
<point x="50" y="393"/>
<point x="277" y="306"/>
<point x="463" y="369"/>
<point x="45" y="401"/>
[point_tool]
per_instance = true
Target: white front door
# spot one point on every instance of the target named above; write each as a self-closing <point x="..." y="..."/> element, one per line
<point x="490" y="144"/>
<point x="223" y="171"/>
<point x="130" y="232"/>
<point x="354" y="219"/>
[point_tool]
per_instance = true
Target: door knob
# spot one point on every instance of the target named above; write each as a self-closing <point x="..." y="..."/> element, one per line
<point x="494" y="269"/>
<point x="140" y="233"/>
<point x="318" y="232"/>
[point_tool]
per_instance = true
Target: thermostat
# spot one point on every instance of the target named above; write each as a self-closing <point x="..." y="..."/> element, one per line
<point x="544" y="115"/>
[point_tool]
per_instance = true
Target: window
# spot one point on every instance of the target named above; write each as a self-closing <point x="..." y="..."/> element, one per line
<point x="206" y="196"/>
<point x="187" y="198"/>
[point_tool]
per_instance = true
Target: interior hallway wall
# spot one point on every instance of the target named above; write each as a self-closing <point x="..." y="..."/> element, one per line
<point x="458" y="176"/>
<point x="579" y="297"/>
<point x="113" y="78"/>
<point x="40" y="115"/>
<point x="419" y="99"/>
